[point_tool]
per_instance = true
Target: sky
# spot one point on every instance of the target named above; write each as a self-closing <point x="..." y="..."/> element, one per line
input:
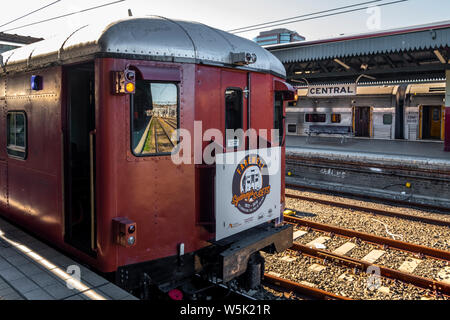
<point x="227" y="15"/>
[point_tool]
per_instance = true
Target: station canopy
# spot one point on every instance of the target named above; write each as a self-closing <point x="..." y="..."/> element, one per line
<point x="419" y="53"/>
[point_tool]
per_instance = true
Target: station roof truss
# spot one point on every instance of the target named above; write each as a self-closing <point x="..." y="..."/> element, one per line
<point x="418" y="53"/>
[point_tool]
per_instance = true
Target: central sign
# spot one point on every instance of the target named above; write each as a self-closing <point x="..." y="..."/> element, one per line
<point x="248" y="190"/>
<point x="332" y="90"/>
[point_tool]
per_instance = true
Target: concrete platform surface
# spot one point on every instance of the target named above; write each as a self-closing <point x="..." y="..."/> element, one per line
<point x="417" y="150"/>
<point x="31" y="270"/>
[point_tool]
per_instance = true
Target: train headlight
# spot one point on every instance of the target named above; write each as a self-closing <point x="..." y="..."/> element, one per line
<point x="131" y="241"/>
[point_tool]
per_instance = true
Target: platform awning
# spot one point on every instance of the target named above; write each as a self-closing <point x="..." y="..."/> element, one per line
<point x="413" y="39"/>
<point x="411" y="54"/>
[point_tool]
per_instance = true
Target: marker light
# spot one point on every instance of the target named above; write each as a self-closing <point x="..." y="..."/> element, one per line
<point x="36" y="83"/>
<point x="408" y="185"/>
<point x="131" y="241"/>
<point x="130" y="87"/>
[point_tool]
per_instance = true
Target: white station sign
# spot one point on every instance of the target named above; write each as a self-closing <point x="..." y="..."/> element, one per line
<point x="332" y="90"/>
<point x="248" y="187"/>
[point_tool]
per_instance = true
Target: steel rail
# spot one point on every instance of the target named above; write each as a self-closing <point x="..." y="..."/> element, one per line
<point x="165" y="132"/>
<point x="374" y="198"/>
<point x="405" y="246"/>
<point x="302" y="289"/>
<point x="387" y="213"/>
<point x="417" y="281"/>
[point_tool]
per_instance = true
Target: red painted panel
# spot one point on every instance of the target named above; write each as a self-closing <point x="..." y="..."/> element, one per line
<point x="152" y="191"/>
<point x="262" y="100"/>
<point x="447" y="129"/>
<point x="34" y="184"/>
<point x="159" y="73"/>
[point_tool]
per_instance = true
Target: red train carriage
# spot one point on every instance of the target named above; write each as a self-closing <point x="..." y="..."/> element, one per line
<point x="87" y="160"/>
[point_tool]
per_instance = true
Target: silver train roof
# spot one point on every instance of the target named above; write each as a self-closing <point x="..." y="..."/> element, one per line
<point x="149" y="38"/>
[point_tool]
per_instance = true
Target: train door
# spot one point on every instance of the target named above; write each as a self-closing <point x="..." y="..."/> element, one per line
<point x="431" y="122"/>
<point x="279" y="116"/>
<point x="80" y="215"/>
<point x="362" y="121"/>
<point x="3" y="155"/>
<point x="237" y="112"/>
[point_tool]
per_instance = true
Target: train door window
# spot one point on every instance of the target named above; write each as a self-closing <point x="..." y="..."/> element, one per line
<point x="154" y="113"/>
<point x="233" y="109"/>
<point x="292" y="128"/>
<point x="278" y="116"/>
<point x="316" y="117"/>
<point x="17" y="134"/>
<point x="387" y="119"/>
<point x="336" y="118"/>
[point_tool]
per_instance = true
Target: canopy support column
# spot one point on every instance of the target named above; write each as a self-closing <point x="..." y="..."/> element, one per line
<point x="447" y="113"/>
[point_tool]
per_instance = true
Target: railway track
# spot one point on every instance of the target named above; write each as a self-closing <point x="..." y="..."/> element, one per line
<point x="394" y="202"/>
<point x="291" y="286"/>
<point x="166" y="134"/>
<point x="375" y="211"/>
<point x="170" y="122"/>
<point x="340" y="255"/>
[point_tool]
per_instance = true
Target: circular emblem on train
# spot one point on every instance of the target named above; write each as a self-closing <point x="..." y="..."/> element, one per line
<point x="250" y="185"/>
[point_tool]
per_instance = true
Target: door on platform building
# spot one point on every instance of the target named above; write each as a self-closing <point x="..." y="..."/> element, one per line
<point x="432" y="122"/>
<point x="362" y="121"/>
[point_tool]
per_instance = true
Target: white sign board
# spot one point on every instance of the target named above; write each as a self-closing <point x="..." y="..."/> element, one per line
<point x="447" y="89"/>
<point x="248" y="190"/>
<point x="332" y="90"/>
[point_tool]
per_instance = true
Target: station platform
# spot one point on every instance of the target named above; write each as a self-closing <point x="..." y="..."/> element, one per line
<point x="31" y="270"/>
<point x="411" y="172"/>
<point x="388" y="149"/>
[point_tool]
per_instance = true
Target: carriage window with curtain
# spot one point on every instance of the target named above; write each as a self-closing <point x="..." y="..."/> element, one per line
<point x="154" y="112"/>
<point x="17" y="134"/>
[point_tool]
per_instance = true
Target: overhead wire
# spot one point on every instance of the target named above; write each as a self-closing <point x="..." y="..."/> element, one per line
<point x="321" y="16"/>
<point x="64" y="15"/>
<point x="30" y="13"/>
<point x="305" y="15"/>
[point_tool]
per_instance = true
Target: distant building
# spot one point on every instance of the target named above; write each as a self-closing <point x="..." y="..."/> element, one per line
<point x="278" y="36"/>
<point x="12" y="41"/>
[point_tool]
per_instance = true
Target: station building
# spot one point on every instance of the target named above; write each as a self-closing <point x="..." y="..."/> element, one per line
<point x="391" y="85"/>
<point x="278" y="36"/>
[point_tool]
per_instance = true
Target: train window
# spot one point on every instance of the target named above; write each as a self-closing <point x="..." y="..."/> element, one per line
<point x="17" y="134"/>
<point x="387" y="119"/>
<point x="436" y="114"/>
<point x="154" y="113"/>
<point x="279" y="116"/>
<point x="233" y="109"/>
<point x="292" y="128"/>
<point x="315" y="117"/>
<point x="335" y="118"/>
